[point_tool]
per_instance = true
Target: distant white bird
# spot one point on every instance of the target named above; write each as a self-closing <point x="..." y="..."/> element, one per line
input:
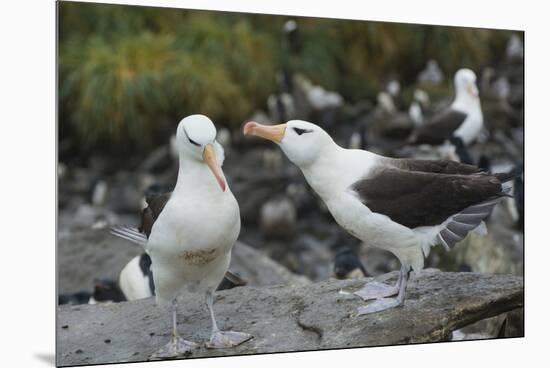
<point x="224" y="138"/>
<point x="422" y="97"/>
<point x="432" y="74"/>
<point x="415" y="113"/>
<point x="290" y="25"/>
<point x="355" y="141"/>
<point x="190" y="232"/>
<point x="393" y="87"/>
<point x="385" y="103"/>
<point x="319" y="98"/>
<point x="463" y="119"/>
<point x="514" y="49"/>
<point x="281" y="107"/>
<point x="501" y="88"/>
<point x="405" y="206"/>
<point x="99" y="193"/>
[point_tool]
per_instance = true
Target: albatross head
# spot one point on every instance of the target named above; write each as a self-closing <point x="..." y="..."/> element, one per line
<point x="301" y="141"/>
<point x="465" y="82"/>
<point x="196" y="140"/>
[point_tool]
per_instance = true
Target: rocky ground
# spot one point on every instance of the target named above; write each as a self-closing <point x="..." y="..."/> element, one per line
<point x="288" y="318"/>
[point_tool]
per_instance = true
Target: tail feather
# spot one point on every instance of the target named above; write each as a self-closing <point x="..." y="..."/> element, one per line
<point x="459" y="228"/>
<point x="129" y="233"/>
<point x="443" y="242"/>
<point x="462" y="223"/>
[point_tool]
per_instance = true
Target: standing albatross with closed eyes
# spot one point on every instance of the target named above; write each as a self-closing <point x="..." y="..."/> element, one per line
<point x="189" y="234"/>
<point x="405" y="206"/>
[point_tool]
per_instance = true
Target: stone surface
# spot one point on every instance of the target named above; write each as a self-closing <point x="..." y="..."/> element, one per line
<point x="259" y="270"/>
<point x="87" y="254"/>
<point x="288" y="318"/>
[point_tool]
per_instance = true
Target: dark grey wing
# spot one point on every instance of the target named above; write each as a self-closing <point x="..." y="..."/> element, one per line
<point x="434" y="166"/>
<point x="413" y="198"/>
<point x="440" y="128"/>
<point x="155" y="205"/>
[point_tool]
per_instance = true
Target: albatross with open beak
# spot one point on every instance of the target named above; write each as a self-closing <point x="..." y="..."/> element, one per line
<point x="405" y="206"/>
<point x="190" y="232"/>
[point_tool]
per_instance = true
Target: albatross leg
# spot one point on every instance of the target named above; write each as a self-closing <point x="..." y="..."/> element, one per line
<point x="387" y="303"/>
<point x="222" y="339"/>
<point x="177" y="345"/>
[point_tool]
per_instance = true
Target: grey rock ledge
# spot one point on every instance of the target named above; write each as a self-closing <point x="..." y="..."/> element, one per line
<point x="288" y="318"/>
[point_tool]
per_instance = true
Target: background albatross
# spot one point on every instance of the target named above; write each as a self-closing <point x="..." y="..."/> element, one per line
<point x="189" y="233"/>
<point x="404" y="206"/>
<point x="462" y="119"/>
<point x="457" y="126"/>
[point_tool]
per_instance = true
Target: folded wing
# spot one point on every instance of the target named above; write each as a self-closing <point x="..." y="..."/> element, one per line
<point x="417" y="193"/>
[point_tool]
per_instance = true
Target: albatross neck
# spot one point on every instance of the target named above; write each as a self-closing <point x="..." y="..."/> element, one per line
<point x="465" y="102"/>
<point x="328" y="173"/>
<point x="194" y="175"/>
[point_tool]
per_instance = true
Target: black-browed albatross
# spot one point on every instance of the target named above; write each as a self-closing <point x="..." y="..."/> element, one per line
<point x="189" y="233"/>
<point x="463" y="119"/>
<point x="405" y="206"/>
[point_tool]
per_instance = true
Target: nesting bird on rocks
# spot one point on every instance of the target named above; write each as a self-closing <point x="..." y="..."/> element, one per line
<point x="105" y="291"/>
<point x="80" y="297"/>
<point x="347" y="265"/>
<point x="405" y="206"/>
<point x="190" y="232"/>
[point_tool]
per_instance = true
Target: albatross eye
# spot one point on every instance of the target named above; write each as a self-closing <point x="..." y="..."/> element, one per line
<point x="190" y="140"/>
<point x="193" y="142"/>
<point x="301" y="131"/>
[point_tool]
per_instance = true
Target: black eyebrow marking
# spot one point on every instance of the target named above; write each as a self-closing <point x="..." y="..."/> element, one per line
<point x="302" y="131"/>
<point x="189" y="139"/>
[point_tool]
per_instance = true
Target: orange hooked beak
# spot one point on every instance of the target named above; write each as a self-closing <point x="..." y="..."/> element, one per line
<point x="274" y="133"/>
<point x="210" y="158"/>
